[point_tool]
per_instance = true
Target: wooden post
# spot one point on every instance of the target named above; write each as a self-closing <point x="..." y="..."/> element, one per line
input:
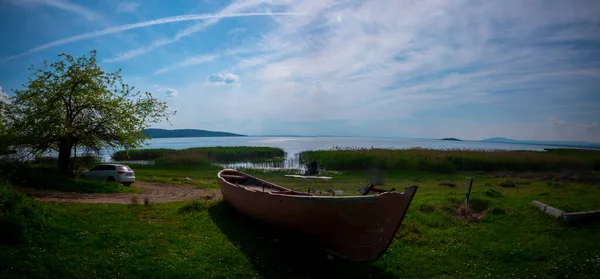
<point x="467" y="195"/>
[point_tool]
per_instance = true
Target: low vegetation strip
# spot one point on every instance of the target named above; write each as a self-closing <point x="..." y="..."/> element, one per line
<point x="419" y="159"/>
<point x="217" y="154"/>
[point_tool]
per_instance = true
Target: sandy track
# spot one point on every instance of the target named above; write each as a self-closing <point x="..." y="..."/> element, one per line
<point x="153" y="191"/>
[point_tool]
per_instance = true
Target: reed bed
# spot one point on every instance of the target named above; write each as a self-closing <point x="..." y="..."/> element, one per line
<point x="217" y="154"/>
<point x="453" y="160"/>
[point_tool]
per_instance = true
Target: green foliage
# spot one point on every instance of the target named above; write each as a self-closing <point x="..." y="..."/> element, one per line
<point x="73" y="103"/>
<point x="217" y="154"/>
<point x="20" y="217"/>
<point x="447" y="161"/>
<point x="85" y="160"/>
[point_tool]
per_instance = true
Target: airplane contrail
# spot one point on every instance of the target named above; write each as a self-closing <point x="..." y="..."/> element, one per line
<point x="126" y="27"/>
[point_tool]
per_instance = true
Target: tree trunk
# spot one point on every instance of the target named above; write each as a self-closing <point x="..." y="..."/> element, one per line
<point x="64" y="155"/>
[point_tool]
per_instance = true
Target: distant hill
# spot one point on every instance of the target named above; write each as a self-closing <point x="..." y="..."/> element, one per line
<point x="186" y="133"/>
<point x="451" y="139"/>
<point x="576" y="144"/>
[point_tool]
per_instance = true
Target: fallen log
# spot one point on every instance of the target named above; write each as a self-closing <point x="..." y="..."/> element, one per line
<point x="568" y="218"/>
<point x="548" y="209"/>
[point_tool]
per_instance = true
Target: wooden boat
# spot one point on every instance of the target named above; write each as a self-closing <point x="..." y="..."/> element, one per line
<point x="357" y="228"/>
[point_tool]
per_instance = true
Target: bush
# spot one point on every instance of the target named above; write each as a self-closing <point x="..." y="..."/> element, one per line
<point x="20" y="217"/>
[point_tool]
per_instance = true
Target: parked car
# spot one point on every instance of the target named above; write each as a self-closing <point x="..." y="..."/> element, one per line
<point x="111" y="173"/>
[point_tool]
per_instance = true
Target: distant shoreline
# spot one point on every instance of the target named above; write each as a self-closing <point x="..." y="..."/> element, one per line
<point x="186" y="133"/>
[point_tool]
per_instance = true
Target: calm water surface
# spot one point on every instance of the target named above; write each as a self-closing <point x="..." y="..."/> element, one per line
<point x="294" y="145"/>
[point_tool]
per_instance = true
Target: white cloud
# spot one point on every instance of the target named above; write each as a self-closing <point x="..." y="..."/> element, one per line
<point x="223" y="78"/>
<point x="4" y="97"/>
<point x="127" y="7"/>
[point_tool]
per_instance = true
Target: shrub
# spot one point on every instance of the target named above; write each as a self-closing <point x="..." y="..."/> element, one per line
<point x="20" y="217"/>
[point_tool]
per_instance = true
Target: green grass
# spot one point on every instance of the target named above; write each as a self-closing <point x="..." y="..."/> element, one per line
<point x="211" y="240"/>
<point x="213" y="154"/>
<point x="199" y="175"/>
<point x="47" y="178"/>
<point x="447" y="161"/>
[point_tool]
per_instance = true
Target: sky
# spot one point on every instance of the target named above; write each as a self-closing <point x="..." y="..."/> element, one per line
<point x="527" y="70"/>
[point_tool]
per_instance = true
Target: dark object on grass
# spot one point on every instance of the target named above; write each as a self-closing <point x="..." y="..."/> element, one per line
<point x="572" y="218"/>
<point x="449" y="184"/>
<point x="312" y="168"/>
<point x="357" y="228"/>
<point x="508" y="184"/>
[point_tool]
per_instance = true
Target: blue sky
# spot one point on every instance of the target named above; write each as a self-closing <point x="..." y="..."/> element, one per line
<point x="469" y="69"/>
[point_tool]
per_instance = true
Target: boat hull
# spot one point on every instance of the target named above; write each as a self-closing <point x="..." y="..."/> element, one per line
<point x="358" y="228"/>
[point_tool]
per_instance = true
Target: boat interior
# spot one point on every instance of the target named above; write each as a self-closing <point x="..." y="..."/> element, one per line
<point x="256" y="185"/>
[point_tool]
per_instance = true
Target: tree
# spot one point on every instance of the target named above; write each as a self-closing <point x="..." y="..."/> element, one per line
<point x="73" y="103"/>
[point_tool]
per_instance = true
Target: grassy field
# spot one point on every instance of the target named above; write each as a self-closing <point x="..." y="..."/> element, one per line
<point x="44" y="177"/>
<point x="199" y="175"/>
<point x="211" y="240"/>
<point x="447" y="161"/>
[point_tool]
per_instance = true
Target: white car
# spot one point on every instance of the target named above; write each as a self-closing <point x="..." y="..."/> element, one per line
<point x="111" y="173"/>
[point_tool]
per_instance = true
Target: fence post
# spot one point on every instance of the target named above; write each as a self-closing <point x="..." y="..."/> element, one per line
<point x="468" y="194"/>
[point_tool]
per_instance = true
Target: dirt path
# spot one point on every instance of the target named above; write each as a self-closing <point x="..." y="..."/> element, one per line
<point x="154" y="192"/>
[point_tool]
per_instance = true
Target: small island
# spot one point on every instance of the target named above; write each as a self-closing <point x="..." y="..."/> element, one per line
<point x="186" y="133"/>
<point x="452" y="139"/>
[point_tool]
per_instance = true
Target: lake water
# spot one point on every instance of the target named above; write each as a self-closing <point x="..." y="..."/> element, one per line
<point x="294" y="145"/>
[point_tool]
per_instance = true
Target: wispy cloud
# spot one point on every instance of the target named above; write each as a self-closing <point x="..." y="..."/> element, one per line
<point x="470" y="69"/>
<point x="200" y="59"/>
<point x="237" y="30"/>
<point x="400" y="60"/>
<point x="63" y="5"/>
<point x="127" y="7"/>
<point x="118" y="29"/>
<point x="188" y="62"/>
<point x="235" y="7"/>
<point x="585" y="127"/>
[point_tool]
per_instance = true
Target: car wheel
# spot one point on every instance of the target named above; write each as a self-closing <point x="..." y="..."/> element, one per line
<point x="127" y="183"/>
<point x="82" y="176"/>
<point x="110" y="179"/>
